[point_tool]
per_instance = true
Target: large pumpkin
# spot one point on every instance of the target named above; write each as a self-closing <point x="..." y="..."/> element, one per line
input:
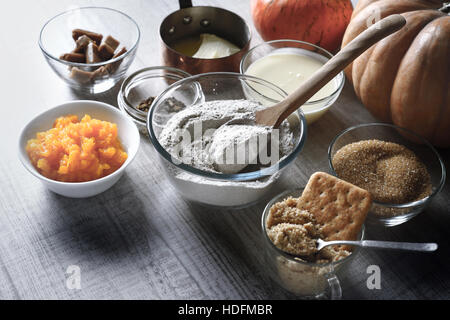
<point x="321" y="22"/>
<point x="405" y="78"/>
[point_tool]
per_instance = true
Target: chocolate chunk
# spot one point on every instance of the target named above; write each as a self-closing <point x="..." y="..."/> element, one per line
<point x="99" y="73"/>
<point x="82" y="43"/>
<point x="77" y="33"/>
<point x="92" y="54"/>
<point x="105" y="52"/>
<point x="81" y="76"/>
<point x="112" y="42"/>
<point x="112" y="67"/>
<point x="120" y="52"/>
<point x="73" y="57"/>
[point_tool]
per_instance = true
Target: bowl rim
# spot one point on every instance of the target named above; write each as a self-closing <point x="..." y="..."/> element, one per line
<point x="246" y="176"/>
<point x="422" y="139"/>
<point x="336" y="92"/>
<point x="280" y="197"/>
<point x="127" y="106"/>
<point x="97" y="64"/>
<point x="29" y="166"/>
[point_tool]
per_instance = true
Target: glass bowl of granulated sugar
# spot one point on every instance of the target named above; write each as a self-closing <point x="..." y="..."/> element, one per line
<point x="211" y="149"/>
<point x="401" y="170"/>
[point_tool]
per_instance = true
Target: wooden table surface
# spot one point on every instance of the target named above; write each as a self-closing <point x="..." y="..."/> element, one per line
<point x="141" y="240"/>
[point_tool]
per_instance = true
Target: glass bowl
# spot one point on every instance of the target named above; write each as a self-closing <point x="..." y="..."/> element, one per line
<point x="56" y="39"/>
<point x="143" y="84"/>
<point x="390" y="214"/>
<point x="304" y="279"/>
<point x="213" y="188"/>
<point x="318" y="104"/>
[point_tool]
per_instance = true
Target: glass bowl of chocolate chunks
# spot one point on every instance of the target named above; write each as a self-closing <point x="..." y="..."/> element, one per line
<point x="90" y="48"/>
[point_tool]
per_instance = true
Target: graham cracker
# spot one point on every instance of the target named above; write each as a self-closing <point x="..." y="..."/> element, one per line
<point x="339" y="207"/>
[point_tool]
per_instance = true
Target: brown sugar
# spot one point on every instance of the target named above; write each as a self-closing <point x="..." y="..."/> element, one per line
<point x="296" y="239"/>
<point x="390" y="172"/>
<point x="287" y="211"/>
<point x="296" y="231"/>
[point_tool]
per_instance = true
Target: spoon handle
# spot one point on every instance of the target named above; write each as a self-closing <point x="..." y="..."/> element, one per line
<point x="410" y="246"/>
<point x="400" y="245"/>
<point x="336" y="64"/>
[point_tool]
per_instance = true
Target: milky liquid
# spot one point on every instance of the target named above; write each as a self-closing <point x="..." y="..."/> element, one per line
<point x="288" y="68"/>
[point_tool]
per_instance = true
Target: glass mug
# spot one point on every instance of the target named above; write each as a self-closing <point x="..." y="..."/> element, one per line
<point x="306" y="280"/>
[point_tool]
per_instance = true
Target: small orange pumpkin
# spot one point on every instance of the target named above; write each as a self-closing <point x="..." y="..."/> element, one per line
<point x="321" y="22"/>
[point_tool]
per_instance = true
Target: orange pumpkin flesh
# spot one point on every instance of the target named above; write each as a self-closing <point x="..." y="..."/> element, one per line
<point x="405" y="78"/>
<point x="321" y="22"/>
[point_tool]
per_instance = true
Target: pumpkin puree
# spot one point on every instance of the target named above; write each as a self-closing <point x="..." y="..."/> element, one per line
<point x="77" y="151"/>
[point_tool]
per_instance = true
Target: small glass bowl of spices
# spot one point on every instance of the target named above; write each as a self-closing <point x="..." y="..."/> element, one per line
<point x="401" y="170"/>
<point x="142" y="87"/>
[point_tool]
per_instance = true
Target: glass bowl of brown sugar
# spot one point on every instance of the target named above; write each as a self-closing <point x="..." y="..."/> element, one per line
<point x="401" y="170"/>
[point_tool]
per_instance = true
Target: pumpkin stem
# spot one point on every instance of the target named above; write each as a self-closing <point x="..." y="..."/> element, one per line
<point x="445" y="8"/>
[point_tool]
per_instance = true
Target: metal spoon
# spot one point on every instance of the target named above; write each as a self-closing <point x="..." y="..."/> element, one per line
<point x="380" y="244"/>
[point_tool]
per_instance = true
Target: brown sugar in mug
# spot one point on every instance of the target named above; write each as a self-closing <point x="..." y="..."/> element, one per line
<point x="192" y="21"/>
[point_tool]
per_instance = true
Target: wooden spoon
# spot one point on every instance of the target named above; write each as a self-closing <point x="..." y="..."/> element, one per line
<point x="276" y="114"/>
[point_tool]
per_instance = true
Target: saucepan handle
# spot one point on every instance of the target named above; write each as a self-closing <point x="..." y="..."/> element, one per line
<point x="185" y="4"/>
